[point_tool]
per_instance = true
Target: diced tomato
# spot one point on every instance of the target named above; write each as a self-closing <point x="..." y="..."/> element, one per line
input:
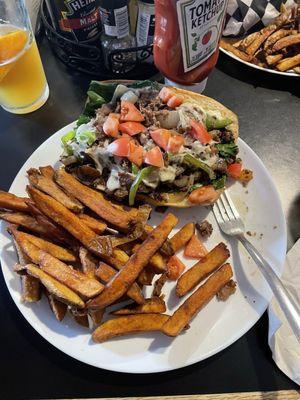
<point x="131" y="128"/>
<point x="120" y="147"/>
<point x="165" y="94"/>
<point x="205" y="194"/>
<point x="174" y="268"/>
<point x="174" y="144"/>
<point x="161" y="137"/>
<point x="111" y="125"/>
<point x="195" y="248"/>
<point x="129" y="112"/>
<point x="136" y="153"/>
<point x="175" y="101"/>
<point x="154" y="157"/>
<point x="199" y="132"/>
<point x="234" y="170"/>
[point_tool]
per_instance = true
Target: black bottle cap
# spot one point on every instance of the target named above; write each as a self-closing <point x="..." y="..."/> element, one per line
<point x="113" y="4"/>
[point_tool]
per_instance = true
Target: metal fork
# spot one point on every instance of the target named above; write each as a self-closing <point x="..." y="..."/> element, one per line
<point x="231" y="223"/>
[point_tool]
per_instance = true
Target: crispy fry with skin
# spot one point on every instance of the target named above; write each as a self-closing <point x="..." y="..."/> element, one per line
<point x="193" y="304"/>
<point x="95" y="201"/>
<point x="182" y="237"/>
<point x="288" y="63"/>
<point x="105" y="273"/>
<point x="246" y="41"/>
<point x="154" y="305"/>
<point x="97" y="316"/>
<point x="119" y="285"/>
<point x="24" y="220"/>
<point x="51" y="248"/>
<point x="59" y="290"/>
<point x="297" y="70"/>
<point x="81" y="319"/>
<point x="129" y="324"/>
<point x="95" y="225"/>
<point x="202" y="269"/>
<point x="166" y="248"/>
<point x="58" y="308"/>
<point x="10" y="201"/>
<point x="272" y="39"/>
<point x="47" y="171"/>
<point x="259" y="40"/>
<point x="158" y="285"/>
<point x="286" y="42"/>
<point x="273" y="60"/>
<point x="239" y="53"/>
<point x="146" y="277"/>
<point x="69" y="221"/>
<point x="48" y="186"/>
<point x="31" y="289"/>
<point x="65" y="274"/>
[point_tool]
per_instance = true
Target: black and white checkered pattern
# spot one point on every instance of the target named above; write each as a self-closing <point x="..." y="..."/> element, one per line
<point x="246" y="16"/>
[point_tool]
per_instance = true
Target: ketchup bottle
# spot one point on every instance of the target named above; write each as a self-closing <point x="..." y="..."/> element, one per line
<point x="186" y="40"/>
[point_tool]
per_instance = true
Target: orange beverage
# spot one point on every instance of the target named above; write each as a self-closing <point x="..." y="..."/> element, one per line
<point x="23" y="85"/>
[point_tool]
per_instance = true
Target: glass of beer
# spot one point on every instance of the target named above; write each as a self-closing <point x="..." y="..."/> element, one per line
<point x="23" y="85"/>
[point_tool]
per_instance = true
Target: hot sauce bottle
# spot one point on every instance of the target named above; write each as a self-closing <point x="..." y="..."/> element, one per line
<point x="186" y="40"/>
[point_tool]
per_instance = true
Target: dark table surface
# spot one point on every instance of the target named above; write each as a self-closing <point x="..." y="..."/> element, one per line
<point x="268" y="107"/>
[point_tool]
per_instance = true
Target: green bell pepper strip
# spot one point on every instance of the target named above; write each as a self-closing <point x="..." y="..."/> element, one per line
<point x="216" y="123"/>
<point x="194" y="187"/>
<point x="220" y="182"/>
<point x="194" y="162"/>
<point x="143" y="173"/>
<point x="134" y="169"/>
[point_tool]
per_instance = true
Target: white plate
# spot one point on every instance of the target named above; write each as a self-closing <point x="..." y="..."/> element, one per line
<point x="272" y="71"/>
<point x="215" y="327"/>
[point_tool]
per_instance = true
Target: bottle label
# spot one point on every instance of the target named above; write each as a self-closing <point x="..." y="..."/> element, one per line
<point x="145" y="28"/>
<point x="200" y="23"/>
<point x="81" y="18"/>
<point x="115" y="21"/>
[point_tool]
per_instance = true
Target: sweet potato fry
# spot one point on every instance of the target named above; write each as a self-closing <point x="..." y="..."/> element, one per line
<point x="24" y="220"/>
<point x="51" y="248"/>
<point x="65" y="274"/>
<point x="193" y="304"/>
<point x="95" y="225"/>
<point x="272" y="39"/>
<point x="154" y="305"/>
<point x="81" y="319"/>
<point x="129" y="324"/>
<point x="208" y="264"/>
<point x="22" y="258"/>
<point x="53" y="231"/>
<point x="156" y="262"/>
<point x="239" y="53"/>
<point x="48" y="186"/>
<point x="96" y="316"/>
<point x="59" y="290"/>
<point x="47" y="171"/>
<point x="297" y="70"/>
<point x="286" y="42"/>
<point x="182" y="237"/>
<point x="119" y="285"/>
<point x="95" y="201"/>
<point x="10" y="201"/>
<point x="166" y="248"/>
<point x="69" y="221"/>
<point x="88" y="262"/>
<point x="288" y="63"/>
<point x="58" y="308"/>
<point x="31" y="289"/>
<point x="105" y="273"/>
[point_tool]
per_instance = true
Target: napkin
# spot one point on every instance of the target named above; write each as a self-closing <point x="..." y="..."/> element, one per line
<point x="284" y="345"/>
<point x="247" y="16"/>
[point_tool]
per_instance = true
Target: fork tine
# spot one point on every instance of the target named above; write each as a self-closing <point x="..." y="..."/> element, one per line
<point x="227" y="208"/>
<point x="232" y="206"/>
<point x="217" y="213"/>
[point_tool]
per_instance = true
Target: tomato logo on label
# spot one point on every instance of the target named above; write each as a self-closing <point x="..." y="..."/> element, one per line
<point x="206" y="37"/>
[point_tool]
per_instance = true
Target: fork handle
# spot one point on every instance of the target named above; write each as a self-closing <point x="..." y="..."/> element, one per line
<point x="285" y="300"/>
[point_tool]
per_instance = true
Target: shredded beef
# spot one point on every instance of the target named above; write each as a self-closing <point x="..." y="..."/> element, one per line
<point x="205" y="228"/>
<point x="151" y="110"/>
<point x="125" y="179"/>
<point x="101" y="114"/>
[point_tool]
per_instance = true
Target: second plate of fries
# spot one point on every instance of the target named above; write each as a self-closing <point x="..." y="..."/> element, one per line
<point x="152" y="321"/>
<point x="275" y="48"/>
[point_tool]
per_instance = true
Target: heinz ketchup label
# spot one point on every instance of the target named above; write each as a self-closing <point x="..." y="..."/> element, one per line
<point x="200" y="23"/>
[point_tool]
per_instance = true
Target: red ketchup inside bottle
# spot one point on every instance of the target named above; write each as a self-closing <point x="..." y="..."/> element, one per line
<point x="186" y="41"/>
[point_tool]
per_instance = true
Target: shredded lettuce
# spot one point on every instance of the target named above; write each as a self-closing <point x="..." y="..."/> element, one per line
<point x="83" y="119"/>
